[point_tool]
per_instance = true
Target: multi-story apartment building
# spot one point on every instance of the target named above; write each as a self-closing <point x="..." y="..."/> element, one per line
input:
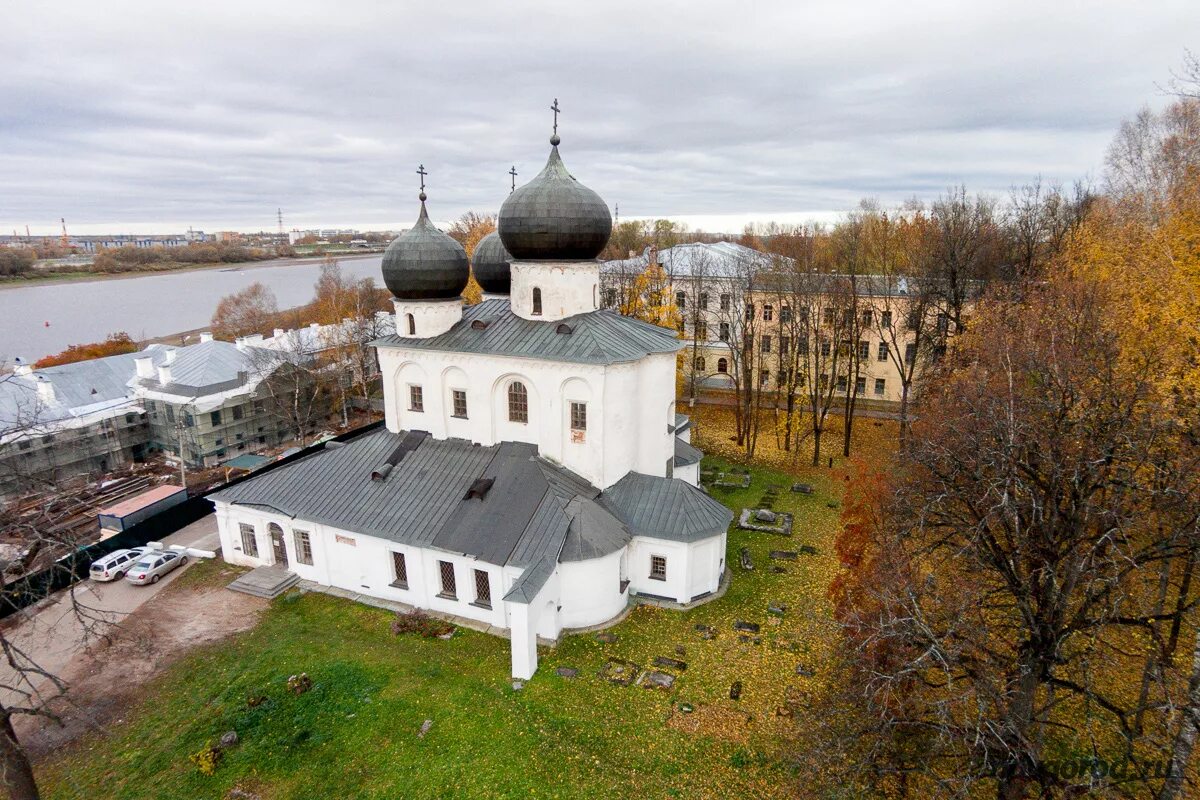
<point x="862" y="331"/>
<point x="205" y="402"/>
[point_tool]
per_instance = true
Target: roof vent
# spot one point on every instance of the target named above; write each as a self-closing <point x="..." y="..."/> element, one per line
<point x="479" y="488"/>
<point x="478" y="325"/>
<point x="564" y="328"/>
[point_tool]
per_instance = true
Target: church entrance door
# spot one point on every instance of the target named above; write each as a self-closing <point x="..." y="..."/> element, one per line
<point x="276" y="532"/>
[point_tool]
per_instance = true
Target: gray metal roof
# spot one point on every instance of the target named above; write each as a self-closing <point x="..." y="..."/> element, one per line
<point x="76" y="387"/>
<point x="666" y="508"/>
<point x="534" y="512"/>
<point x="594" y="531"/>
<point x="685" y="454"/>
<point x="597" y="337"/>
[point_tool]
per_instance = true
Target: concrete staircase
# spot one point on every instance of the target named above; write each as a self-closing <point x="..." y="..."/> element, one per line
<point x="265" y="582"/>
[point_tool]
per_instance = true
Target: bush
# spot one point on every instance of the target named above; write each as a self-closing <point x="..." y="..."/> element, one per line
<point x="206" y="760"/>
<point x="422" y="623"/>
<point x="15" y="261"/>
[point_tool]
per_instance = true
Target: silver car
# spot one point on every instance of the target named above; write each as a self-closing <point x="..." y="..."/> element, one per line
<point x="114" y="565"/>
<point x="153" y="566"/>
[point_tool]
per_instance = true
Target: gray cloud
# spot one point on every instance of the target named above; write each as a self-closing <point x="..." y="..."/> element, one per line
<point x="156" y="116"/>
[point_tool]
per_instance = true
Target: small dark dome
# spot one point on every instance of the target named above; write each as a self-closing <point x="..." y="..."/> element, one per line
<point x="425" y="264"/>
<point x="490" y="264"/>
<point x="554" y="217"/>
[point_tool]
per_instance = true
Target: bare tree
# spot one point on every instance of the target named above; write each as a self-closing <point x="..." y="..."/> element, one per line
<point x="252" y="310"/>
<point x="964" y="250"/>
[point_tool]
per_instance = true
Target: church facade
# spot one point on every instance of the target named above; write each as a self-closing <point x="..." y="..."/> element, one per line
<point x="533" y="473"/>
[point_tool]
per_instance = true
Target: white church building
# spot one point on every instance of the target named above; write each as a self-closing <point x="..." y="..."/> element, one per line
<point x="532" y="473"/>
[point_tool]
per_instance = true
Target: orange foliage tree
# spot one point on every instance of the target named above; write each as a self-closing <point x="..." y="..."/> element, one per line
<point x="114" y="345"/>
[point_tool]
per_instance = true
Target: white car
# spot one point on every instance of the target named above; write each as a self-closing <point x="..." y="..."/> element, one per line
<point x="153" y="565"/>
<point x="117" y="563"/>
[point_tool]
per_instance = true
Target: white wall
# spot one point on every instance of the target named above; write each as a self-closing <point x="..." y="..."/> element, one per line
<point x="692" y="569"/>
<point x="429" y="317"/>
<point x="364" y="564"/>
<point x="689" y="473"/>
<point x="568" y="288"/>
<point x="628" y="407"/>
<point x="591" y="591"/>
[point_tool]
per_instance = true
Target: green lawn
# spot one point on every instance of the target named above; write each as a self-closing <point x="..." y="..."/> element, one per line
<point x="355" y="733"/>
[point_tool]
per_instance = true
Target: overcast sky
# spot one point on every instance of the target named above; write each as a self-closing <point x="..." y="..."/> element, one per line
<point x="150" y="117"/>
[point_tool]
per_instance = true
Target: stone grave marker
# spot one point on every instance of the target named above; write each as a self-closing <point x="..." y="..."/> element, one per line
<point x="784" y="555"/>
<point x="653" y="679"/>
<point x="566" y="672"/>
<point x="670" y="663"/>
<point x="749" y="627"/>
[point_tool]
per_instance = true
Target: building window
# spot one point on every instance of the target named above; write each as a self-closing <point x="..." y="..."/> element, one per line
<point x="249" y="540"/>
<point x="460" y="403"/>
<point x="702" y="330"/>
<point x="723" y="365"/>
<point x="238" y="413"/>
<point x="399" y="570"/>
<point x="699" y="363"/>
<point x="537" y="301"/>
<point x="610" y="297"/>
<point x="860" y="385"/>
<point x="885" y="319"/>
<point x="749" y="311"/>
<point x="518" y="402"/>
<point x="215" y="417"/>
<point x="725" y="301"/>
<point x="910" y="353"/>
<point x="841" y="383"/>
<point x="879" y="386"/>
<point x="802" y="345"/>
<point x="483" y="589"/>
<point x="416" y="398"/>
<point x="883" y="351"/>
<point x="724" y="333"/>
<point x="578" y="416"/>
<point x="303" y="547"/>
<point x="785" y="345"/>
<point x="830" y="316"/>
<point x="680" y="300"/>
<point x="867" y="318"/>
<point x="825" y="347"/>
<point x="764" y="377"/>
<point x="785" y="313"/>
<point x="864" y="350"/>
<point x="782" y="377"/>
<point x="449" y="589"/>
<point x="768" y="313"/>
<point x="766" y="344"/>
<point x="704" y="300"/>
<point x="658" y="568"/>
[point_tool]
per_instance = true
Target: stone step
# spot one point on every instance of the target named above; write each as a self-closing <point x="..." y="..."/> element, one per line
<point x="265" y="582"/>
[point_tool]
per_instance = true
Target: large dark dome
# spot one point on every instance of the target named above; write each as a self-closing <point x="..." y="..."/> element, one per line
<point x="490" y="263"/>
<point x="554" y="217"/>
<point x="425" y="264"/>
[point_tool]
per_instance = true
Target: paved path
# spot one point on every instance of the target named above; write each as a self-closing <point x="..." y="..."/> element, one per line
<point x="51" y="633"/>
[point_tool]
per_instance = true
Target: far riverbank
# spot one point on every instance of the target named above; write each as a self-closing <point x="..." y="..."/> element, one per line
<point x="88" y="277"/>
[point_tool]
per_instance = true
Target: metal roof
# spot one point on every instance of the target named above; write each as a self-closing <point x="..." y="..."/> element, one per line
<point x="597" y="337"/>
<point x="685" y="454"/>
<point x="534" y="512"/>
<point x="666" y="508"/>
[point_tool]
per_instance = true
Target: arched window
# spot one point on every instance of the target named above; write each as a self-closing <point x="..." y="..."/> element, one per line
<point x="722" y="365"/>
<point x="537" y="301"/>
<point x="412" y="324"/>
<point x="518" y="402"/>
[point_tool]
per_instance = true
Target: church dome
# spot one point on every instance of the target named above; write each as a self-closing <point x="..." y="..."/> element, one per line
<point x="490" y="263"/>
<point x="554" y="217"/>
<point x="425" y="264"/>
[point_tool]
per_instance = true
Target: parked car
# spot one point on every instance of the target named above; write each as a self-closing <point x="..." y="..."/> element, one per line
<point x="153" y="566"/>
<point x="114" y="565"/>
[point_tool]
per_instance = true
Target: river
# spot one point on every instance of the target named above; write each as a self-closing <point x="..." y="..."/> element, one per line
<point x="146" y="306"/>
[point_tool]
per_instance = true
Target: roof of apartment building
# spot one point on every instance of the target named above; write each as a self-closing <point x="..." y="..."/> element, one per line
<point x="502" y="504"/>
